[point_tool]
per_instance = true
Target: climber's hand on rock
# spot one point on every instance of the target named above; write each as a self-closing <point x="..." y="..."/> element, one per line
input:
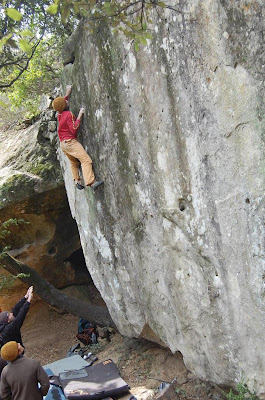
<point x="30" y="296"/>
<point x="68" y="90"/>
<point x="81" y="112"/>
<point x="29" y="291"/>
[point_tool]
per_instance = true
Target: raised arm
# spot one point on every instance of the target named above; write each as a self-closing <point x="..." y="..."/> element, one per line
<point x="29" y="292"/>
<point x="68" y="90"/>
<point x="21" y="302"/>
<point x="81" y="112"/>
<point x="16" y="325"/>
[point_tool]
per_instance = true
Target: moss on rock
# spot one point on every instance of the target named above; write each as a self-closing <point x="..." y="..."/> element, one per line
<point x="15" y="188"/>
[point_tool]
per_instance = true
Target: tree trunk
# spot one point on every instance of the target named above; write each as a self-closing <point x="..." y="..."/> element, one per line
<point x="51" y="295"/>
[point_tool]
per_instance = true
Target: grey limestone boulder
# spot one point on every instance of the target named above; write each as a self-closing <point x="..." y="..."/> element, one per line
<point x="175" y="239"/>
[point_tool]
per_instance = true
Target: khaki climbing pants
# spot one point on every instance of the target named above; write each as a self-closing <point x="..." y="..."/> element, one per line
<point x="76" y="155"/>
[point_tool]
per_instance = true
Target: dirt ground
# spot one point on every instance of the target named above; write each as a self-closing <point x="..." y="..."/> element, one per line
<point x="48" y="334"/>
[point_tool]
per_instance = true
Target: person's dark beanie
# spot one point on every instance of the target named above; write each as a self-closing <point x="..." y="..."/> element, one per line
<point x="4" y="317"/>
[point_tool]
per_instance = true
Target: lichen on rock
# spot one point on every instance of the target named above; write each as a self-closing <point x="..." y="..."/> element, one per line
<point x="174" y="239"/>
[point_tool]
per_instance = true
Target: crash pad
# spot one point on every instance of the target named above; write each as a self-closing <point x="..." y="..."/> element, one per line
<point x="55" y="393"/>
<point x="94" y="382"/>
<point x="60" y="366"/>
<point x="66" y="364"/>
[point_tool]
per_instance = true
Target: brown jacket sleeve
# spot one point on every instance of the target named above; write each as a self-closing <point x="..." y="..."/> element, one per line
<point x="5" y="389"/>
<point x="43" y="380"/>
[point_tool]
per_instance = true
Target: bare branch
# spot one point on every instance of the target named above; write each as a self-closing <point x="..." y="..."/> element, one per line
<point x="6" y="85"/>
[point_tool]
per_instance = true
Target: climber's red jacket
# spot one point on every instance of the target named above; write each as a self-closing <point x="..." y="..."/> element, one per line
<point x="67" y="125"/>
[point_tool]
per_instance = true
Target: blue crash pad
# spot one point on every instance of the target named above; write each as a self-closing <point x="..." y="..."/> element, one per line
<point x="66" y="364"/>
<point x="55" y="393"/>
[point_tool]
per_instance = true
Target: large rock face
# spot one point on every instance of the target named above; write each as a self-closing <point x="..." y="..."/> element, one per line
<point x="174" y="240"/>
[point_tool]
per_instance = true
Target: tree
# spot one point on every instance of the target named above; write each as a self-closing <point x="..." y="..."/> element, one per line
<point x="130" y="17"/>
<point x="96" y="314"/>
<point x="28" y="26"/>
<point x="23" y="23"/>
<point x="46" y="291"/>
<point x="41" y="76"/>
<point x="6" y="281"/>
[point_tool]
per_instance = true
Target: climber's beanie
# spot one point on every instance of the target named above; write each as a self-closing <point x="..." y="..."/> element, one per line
<point x="4" y="317"/>
<point x="59" y="104"/>
<point x="9" y="351"/>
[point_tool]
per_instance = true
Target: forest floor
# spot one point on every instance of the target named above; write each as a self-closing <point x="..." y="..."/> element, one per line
<point x="48" y="334"/>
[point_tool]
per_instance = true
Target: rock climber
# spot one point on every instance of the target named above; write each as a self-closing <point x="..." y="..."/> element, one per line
<point x="11" y="322"/>
<point x="20" y="378"/>
<point x="67" y="131"/>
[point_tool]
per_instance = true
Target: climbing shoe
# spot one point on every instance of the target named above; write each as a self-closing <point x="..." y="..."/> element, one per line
<point x="96" y="184"/>
<point x="79" y="186"/>
<point x="91" y="360"/>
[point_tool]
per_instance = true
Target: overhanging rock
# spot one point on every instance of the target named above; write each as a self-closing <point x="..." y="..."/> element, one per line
<point x="175" y="238"/>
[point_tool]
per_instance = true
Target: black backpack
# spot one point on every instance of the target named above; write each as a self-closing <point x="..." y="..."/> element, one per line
<point x="87" y="332"/>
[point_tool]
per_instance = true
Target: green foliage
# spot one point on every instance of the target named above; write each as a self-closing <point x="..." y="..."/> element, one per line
<point x="41" y="76"/>
<point x="53" y="9"/>
<point x="19" y="183"/>
<point x="25" y="45"/>
<point x="243" y="393"/>
<point x="6" y="281"/>
<point x="13" y="14"/>
<point x="42" y="170"/>
<point x="132" y="18"/>
<point x="4" y="232"/>
<point x="39" y="18"/>
<point x="181" y="392"/>
<point x="23" y="25"/>
<point x="32" y="34"/>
